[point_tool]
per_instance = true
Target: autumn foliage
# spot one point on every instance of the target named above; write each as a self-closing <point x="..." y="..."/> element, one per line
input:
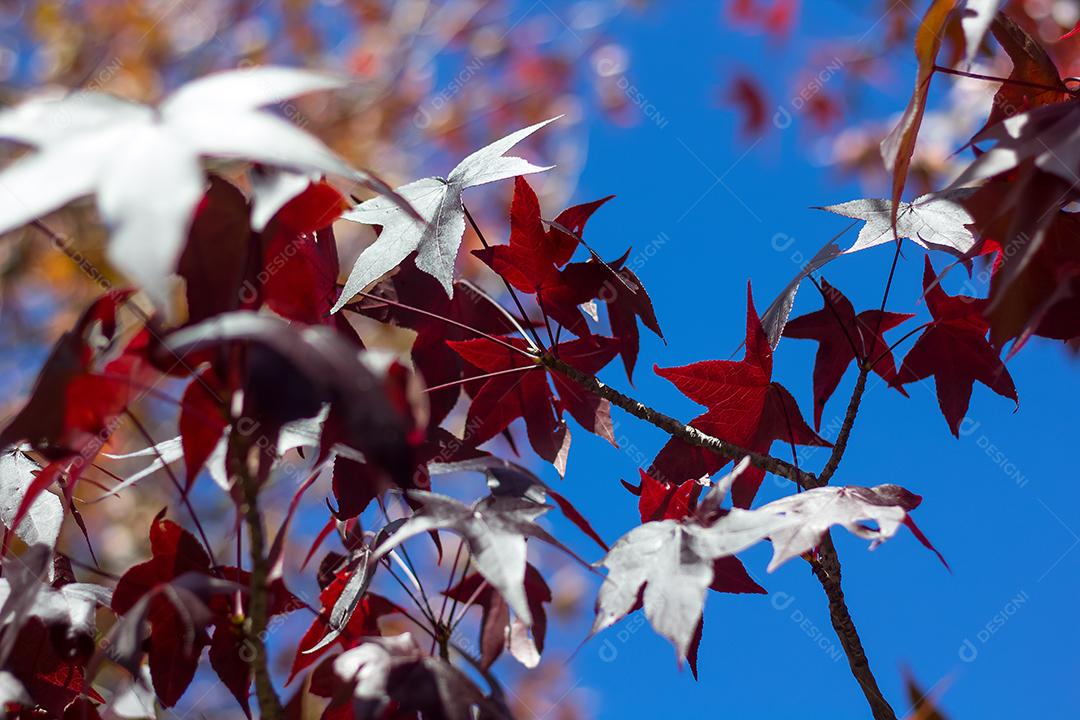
<point x="241" y="314"/>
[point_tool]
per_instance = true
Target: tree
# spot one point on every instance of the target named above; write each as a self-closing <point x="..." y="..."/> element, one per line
<point x="236" y="299"/>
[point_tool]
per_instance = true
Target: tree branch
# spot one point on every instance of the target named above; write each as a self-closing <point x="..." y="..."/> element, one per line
<point x="258" y="591"/>
<point x="826" y="566"/>
<point x="827" y="570"/>
<point x="845" y="429"/>
<point x="676" y="429"/>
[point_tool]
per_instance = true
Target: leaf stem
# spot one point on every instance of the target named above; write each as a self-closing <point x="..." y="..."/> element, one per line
<point x="141" y="429"/>
<point x="992" y="78"/>
<point x="897" y="343"/>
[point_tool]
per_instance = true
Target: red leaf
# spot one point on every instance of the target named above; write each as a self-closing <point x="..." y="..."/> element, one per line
<point x="501" y="399"/>
<point x="202" y="421"/>
<point x="495" y="618"/>
<point x="744" y="408"/>
<point x="955" y="351"/>
<point x="747" y="96"/>
<point x="364" y="622"/>
<point x="531" y="261"/>
<point x="836" y="327"/>
<point x="230" y="654"/>
<point x="215" y="258"/>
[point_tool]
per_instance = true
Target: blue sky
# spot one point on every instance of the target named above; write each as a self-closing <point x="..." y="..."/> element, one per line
<point x="997" y="635"/>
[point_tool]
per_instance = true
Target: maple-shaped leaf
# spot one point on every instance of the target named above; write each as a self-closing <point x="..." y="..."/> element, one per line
<point x="937" y="221"/>
<point x="898" y="147"/>
<point x="387" y="672"/>
<point x="436" y="235"/>
<point x="363" y="622"/>
<point x="498" y="630"/>
<point x="531" y="260"/>
<point x="622" y="293"/>
<point x="178" y="617"/>
<point x="508" y="479"/>
<point x="955" y="351"/>
<point x="522" y="391"/>
<point x="180" y="595"/>
<point x="669" y="501"/>
<point x="143" y="163"/>
<point x="84" y="385"/>
<point x="495" y="529"/>
<point x="745" y="407"/>
<point x="667" y="565"/>
<point x="805" y="517"/>
<point x="836" y="327"/>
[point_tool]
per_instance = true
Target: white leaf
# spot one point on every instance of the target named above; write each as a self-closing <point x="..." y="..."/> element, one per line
<point x="520" y="644"/>
<point x="46" y="514"/>
<point x="936" y="221"/>
<point x="144" y="164"/>
<point x="271" y="190"/>
<point x="975" y="19"/>
<point x="808" y="515"/>
<point x="166" y="452"/>
<point x="669" y="563"/>
<point x="661" y="557"/>
<point x="147" y="196"/>
<point x="495" y="529"/>
<point x="436" y="235"/>
<point x="247" y="89"/>
<point x="136" y="701"/>
<point x="45" y="120"/>
<point x="258" y="137"/>
<point x="488" y="164"/>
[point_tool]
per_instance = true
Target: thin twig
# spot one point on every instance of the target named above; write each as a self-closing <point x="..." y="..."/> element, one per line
<point x="673" y="427"/>
<point x="449" y="321"/>
<point x="836" y="316"/>
<point x="845" y="429"/>
<point x="176" y="483"/>
<point x="509" y="287"/>
<point x="892" y="347"/>
<point x="992" y="78"/>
